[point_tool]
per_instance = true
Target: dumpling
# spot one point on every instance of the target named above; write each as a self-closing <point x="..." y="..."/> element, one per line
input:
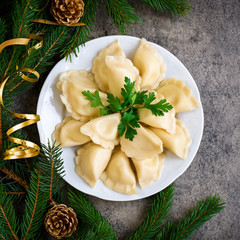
<point x="72" y="96"/>
<point x="178" y="94"/>
<point x="119" y="175"/>
<point x="166" y="122"/>
<point x="150" y="65"/>
<point x="144" y="145"/>
<point x="82" y="78"/>
<point x="91" y="160"/>
<point x="149" y="170"/>
<point x="117" y="68"/>
<point x="103" y="130"/>
<point x="177" y="143"/>
<point x="68" y="133"/>
<point x="99" y="65"/>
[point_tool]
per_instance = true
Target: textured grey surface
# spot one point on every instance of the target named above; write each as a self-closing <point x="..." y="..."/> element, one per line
<point x="207" y="43"/>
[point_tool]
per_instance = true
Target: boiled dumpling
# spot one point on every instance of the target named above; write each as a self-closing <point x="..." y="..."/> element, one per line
<point x="117" y="68"/>
<point x="144" y="145"/>
<point x="68" y="133"/>
<point x="72" y="96"/>
<point x="150" y="65"/>
<point x="99" y="65"/>
<point x="82" y="78"/>
<point x="91" y="161"/>
<point x="178" y="94"/>
<point x="166" y="122"/>
<point x="103" y="130"/>
<point x="119" y="175"/>
<point x="149" y="170"/>
<point x="177" y="143"/>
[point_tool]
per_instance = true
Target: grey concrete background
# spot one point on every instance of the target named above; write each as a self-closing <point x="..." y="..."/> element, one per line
<point x="207" y="43"/>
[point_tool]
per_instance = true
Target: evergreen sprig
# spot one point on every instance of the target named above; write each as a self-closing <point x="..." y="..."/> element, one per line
<point x="122" y="14"/>
<point x="88" y="214"/>
<point x="9" y="223"/>
<point x="35" y="208"/>
<point x="52" y="171"/>
<point x="194" y="219"/>
<point x="156" y="215"/>
<point x="176" y="7"/>
<point x="81" y="34"/>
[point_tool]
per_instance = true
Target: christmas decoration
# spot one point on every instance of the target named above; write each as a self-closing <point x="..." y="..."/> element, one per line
<point x="25" y="148"/>
<point x="67" y="12"/>
<point x="60" y="221"/>
<point x="35" y="182"/>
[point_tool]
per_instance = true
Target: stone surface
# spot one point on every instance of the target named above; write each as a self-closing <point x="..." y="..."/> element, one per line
<point x="207" y="43"/>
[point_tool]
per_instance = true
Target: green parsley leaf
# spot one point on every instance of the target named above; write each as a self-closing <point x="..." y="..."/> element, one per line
<point x="129" y="122"/>
<point x="148" y="99"/>
<point x="94" y="98"/>
<point x="140" y="96"/>
<point x="114" y="103"/>
<point x="128" y="107"/>
<point x="104" y="111"/>
<point x="128" y="92"/>
<point x="159" y="108"/>
<point x="130" y="133"/>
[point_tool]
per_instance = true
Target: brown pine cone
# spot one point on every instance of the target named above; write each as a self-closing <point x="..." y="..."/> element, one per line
<point x="67" y="12"/>
<point x="60" y="221"/>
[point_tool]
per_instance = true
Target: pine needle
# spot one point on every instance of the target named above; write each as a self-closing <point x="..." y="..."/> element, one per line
<point x="176" y="7"/>
<point x="156" y="215"/>
<point x="201" y="213"/>
<point x="52" y="171"/>
<point x="122" y="14"/>
<point x="81" y="34"/>
<point x="90" y="216"/>
<point x="9" y="224"/>
<point x="35" y="208"/>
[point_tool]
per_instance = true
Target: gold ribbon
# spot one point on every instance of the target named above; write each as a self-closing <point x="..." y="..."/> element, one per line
<point x="55" y="23"/>
<point x="25" y="149"/>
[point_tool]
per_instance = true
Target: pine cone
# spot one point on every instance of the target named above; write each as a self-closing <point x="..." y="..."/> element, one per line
<point x="60" y="221"/>
<point x="67" y="12"/>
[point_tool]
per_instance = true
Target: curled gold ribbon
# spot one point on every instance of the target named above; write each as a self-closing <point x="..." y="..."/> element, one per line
<point x="25" y="149"/>
<point x="44" y="21"/>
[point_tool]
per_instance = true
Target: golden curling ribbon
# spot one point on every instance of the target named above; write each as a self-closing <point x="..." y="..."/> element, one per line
<point x="44" y="21"/>
<point x="25" y="149"/>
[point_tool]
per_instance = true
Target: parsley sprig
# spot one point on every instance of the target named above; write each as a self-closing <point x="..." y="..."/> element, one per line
<point x="132" y="101"/>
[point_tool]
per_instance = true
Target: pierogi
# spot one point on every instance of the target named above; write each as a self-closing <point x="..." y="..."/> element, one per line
<point x="103" y="155"/>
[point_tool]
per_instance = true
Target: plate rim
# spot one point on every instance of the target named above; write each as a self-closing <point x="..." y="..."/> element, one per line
<point x="47" y="83"/>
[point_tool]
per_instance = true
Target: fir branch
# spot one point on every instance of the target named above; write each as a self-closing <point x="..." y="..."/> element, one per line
<point x="3" y="31"/>
<point x="23" y="14"/>
<point x="1" y="136"/>
<point x="51" y="167"/>
<point x="122" y="14"/>
<point x="36" y="205"/>
<point x="12" y="188"/>
<point x="90" y="215"/>
<point x="81" y="34"/>
<point x="156" y="215"/>
<point x="201" y="213"/>
<point x="27" y="163"/>
<point x="165" y="231"/>
<point x="54" y="40"/>
<point x="9" y="224"/>
<point x="15" y="193"/>
<point x="176" y="7"/>
<point x="82" y="233"/>
<point x="14" y="177"/>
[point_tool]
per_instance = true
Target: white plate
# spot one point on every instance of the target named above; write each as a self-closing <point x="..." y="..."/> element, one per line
<point x="51" y="111"/>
